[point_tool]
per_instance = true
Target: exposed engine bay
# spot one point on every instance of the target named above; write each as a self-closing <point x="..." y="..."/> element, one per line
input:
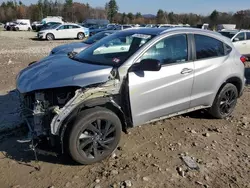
<point x="48" y="111"/>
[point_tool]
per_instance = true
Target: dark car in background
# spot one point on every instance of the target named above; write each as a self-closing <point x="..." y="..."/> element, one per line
<point x="46" y="26"/>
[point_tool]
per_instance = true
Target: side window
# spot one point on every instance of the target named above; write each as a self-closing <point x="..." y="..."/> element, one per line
<point x="207" y="47"/>
<point x="239" y="37"/>
<point x="75" y="26"/>
<point x="172" y="49"/>
<point x="248" y="35"/>
<point x="60" y="28"/>
<point x="70" y="26"/>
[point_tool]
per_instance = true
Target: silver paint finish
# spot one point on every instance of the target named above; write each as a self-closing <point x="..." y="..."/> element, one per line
<point x="60" y="71"/>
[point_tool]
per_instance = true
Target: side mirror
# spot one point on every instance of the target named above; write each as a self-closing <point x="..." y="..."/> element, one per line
<point x="147" y="65"/>
<point x="236" y="39"/>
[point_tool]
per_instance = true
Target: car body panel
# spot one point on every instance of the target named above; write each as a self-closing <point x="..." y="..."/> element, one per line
<point x="154" y="94"/>
<point x="60" y="71"/>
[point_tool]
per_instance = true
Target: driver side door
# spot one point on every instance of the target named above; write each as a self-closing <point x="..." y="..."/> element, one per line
<point x="167" y="91"/>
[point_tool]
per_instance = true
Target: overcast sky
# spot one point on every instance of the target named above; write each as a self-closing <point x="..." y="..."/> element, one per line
<point x="180" y="6"/>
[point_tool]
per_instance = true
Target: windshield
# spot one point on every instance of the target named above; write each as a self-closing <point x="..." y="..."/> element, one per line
<point x="228" y="34"/>
<point x="97" y="37"/>
<point x="114" y="49"/>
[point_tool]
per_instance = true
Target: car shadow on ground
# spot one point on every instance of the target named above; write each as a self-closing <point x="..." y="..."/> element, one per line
<point x="12" y="128"/>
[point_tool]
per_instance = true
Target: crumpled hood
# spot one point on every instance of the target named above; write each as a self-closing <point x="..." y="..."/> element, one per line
<point x="66" y="48"/>
<point x="60" y="71"/>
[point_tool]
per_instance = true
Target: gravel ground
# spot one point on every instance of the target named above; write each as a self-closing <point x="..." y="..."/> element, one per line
<point x="149" y="156"/>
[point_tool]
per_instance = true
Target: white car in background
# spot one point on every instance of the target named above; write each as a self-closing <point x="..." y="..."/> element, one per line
<point x="22" y="27"/>
<point x="64" y="31"/>
<point x="240" y="39"/>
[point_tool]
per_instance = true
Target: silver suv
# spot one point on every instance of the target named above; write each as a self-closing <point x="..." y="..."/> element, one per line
<point x="82" y="103"/>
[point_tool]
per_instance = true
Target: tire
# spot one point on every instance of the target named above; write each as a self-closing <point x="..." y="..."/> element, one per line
<point x="50" y="37"/>
<point x="29" y="29"/>
<point x="83" y="137"/>
<point x="80" y="36"/>
<point x="16" y="28"/>
<point x="225" y="102"/>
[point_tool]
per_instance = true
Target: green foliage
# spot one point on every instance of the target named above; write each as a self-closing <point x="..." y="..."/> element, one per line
<point x="112" y="9"/>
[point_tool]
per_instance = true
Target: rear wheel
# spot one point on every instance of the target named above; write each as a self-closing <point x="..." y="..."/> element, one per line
<point x="80" y="36"/>
<point x="95" y="135"/>
<point x="16" y="29"/>
<point x="50" y="36"/>
<point x="225" y="102"/>
<point x="29" y="29"/>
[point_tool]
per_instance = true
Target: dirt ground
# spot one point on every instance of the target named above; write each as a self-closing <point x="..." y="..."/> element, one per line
<point x="149" y="156"/>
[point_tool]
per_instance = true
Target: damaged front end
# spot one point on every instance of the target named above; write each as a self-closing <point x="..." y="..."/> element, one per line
<point x="38" y="110"/>
<point x="48" y="112"/>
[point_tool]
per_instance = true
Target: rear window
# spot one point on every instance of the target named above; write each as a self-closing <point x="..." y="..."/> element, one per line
<point x="75" y="26"/>
<point x="208" y="47"/>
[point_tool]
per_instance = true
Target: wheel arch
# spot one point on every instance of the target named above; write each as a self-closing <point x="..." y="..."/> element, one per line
<point x="235" y="81"/>
<point x="50" y="34"/>
<point x="105" y="102"/>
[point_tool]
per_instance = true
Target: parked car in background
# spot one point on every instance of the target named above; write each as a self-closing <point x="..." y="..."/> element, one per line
<point x="64" y="31"/>
<point x="48" y="19"/>
<point x="46" y="26"/>
<point x="77" y="47"/>
<point x="82" y="103"/>
<point x="240" y="39"/>
<point x="22" y="27"/>
<point x="35" y="24"/>
<point x="122" y="27"/>
<point x="96" y="29"/>
<point x="9" y="26"/>
<point x="89" y="22"/>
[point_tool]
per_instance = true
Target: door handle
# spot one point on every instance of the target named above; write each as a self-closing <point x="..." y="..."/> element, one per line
<point x="244" y="43"/>
<point x="122" y="48"/>
<point x="186" y="71"/>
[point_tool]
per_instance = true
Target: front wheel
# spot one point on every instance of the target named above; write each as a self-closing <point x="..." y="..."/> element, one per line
<point x="225" y="102"/>
<point x="95" y="135"/>
<point x="80" y="36"/>
<point x="50" y="36"/>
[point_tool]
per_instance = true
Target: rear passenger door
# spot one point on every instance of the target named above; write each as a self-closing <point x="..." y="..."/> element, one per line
<point x="240" y="42"/>
<point x="211" y="68"/>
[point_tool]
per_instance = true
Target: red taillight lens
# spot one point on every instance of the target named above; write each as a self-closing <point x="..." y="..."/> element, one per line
<point x="243" y="59"/>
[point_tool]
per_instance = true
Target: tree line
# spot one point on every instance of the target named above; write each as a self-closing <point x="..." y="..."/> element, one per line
<point x="78" y="12"/>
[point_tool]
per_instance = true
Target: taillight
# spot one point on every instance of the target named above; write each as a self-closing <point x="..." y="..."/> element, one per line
<point x="243" y="59"/>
